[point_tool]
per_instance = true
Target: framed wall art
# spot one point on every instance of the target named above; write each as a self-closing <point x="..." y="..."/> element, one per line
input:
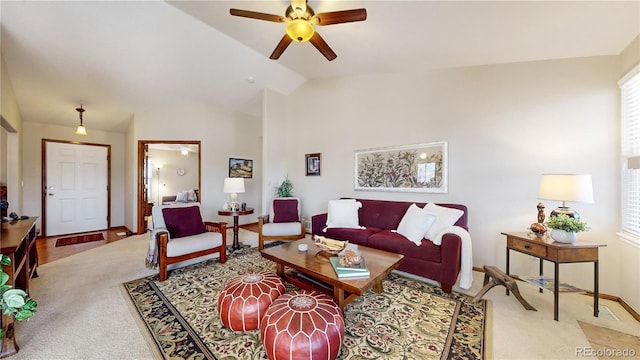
<point x="408" y="168"/>
<point x="312" y="164"/>
<point x="240" y="168"/>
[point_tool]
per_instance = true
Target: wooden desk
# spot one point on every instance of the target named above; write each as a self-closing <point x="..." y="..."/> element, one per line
<point x="19" y="243"/>
<point x="557" y="253"/>
<point x="236" y="227"/>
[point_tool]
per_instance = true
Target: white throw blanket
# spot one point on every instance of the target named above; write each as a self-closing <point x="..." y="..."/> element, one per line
<point x="151" y="261"/>
<point x="466" y="257"/>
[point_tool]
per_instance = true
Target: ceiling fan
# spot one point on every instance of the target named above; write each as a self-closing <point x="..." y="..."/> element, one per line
<point x="300" y="19"/>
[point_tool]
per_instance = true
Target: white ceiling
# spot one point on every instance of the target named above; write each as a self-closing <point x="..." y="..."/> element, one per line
<point x="119" y="58"/>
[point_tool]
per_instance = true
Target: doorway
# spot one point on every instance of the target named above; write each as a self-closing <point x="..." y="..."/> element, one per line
<point x="76" y="187"/>
<point x="175" y="167"/>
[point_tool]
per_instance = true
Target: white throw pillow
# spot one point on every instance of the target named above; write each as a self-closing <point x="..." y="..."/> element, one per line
<point x="191" y="195"/>
<point x="182" y="196"/>
<point x="343" y="214"/>
<point x="415" y="223"/>
<point x="445" y="217"/>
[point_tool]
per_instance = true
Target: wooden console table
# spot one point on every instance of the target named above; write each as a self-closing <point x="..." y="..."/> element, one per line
<point x="19" y="243"/>
<point x="557" y="253"/>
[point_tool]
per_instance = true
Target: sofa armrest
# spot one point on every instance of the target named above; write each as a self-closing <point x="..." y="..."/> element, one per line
<point x="450" y="252"/>
<point x="318" y="222"/>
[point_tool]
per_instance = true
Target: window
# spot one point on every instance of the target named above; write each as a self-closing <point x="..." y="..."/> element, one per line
<point x="630" y="154"/>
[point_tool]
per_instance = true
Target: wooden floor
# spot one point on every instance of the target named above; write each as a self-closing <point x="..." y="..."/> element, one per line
<point x="48" y="252"/>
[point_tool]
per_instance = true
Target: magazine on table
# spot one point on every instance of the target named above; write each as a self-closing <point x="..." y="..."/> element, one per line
<point x="547" y="282"/>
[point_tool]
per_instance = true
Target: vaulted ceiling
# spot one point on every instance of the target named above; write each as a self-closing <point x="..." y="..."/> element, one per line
<point x="122" y="57"/>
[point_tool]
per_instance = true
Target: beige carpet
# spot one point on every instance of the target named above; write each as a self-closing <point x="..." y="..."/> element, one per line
<point x="82" y="313"/>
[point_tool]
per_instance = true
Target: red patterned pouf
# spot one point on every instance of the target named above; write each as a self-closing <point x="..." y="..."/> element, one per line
<point x="302" y="325"/>
<point x="244" y="300"/>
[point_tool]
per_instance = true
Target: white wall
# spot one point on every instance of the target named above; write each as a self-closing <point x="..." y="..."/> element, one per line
<point x="249" y="146"/>
<point x="505" y="125"/>
<point x="277" y="141"/>
<point x="10" y="145"/>
<point x="32" y="164"/>
<point x="219" y="131"/>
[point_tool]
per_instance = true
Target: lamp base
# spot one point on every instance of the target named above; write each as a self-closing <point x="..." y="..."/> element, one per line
<point x="565" y="210"/>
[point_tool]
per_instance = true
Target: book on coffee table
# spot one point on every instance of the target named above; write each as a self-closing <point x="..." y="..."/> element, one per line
<point x="348" y="273"/>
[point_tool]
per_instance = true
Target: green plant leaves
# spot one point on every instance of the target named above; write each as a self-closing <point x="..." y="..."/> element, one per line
<point x="5" y="260"/>
<point x="566" y="223"/>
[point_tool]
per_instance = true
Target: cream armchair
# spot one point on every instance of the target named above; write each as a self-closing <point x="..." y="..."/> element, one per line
<point x="284" y="222"/>
<point x="186" y="236"/>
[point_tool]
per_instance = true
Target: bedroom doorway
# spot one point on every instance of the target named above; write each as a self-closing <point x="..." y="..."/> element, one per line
<point x="165" y="169"/>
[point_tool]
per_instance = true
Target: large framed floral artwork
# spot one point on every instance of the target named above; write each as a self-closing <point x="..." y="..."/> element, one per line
<point x="408" y="168"/>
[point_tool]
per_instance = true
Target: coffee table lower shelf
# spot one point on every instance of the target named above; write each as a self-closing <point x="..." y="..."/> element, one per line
<point x="307" y="282"/>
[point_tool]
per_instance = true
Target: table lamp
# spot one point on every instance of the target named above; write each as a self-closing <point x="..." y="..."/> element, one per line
<point x="233" y="186"/>
<point x="564" y="188"/>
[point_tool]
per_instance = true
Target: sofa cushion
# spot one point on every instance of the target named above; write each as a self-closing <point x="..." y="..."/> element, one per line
<point x="445" y="217"/>
<point x="281" y="229"/>
<point x="285" y="210"/>
<point x="343" y="214"/>
<point x="356" y="236"/>
<point x="183" y="221"/>
<point x="415" y="223"/>
<point x="393" y="242"/>
<point x="194" y="243"/>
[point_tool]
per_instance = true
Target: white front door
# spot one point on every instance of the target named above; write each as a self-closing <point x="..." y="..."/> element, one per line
<point x="75" y="188"/>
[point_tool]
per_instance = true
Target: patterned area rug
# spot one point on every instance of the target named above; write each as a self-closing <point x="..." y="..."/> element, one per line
<point x="409" y="320"/>
<point x="79" y="239"/>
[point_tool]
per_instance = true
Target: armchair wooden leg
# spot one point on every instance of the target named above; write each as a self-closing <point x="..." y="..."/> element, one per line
<point x="162" y="272"/>
<point x="223" y="254"/>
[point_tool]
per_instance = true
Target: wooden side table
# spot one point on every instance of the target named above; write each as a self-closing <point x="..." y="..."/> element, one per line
<point x="557" y="253"/>
<point x="236" y="227"/>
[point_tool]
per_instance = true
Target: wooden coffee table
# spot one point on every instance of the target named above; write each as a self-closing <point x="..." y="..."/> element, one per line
<point x="312" y="271"/>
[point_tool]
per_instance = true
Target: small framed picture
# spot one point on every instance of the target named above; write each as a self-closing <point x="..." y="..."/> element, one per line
<point x="240" y="168"/>
<point x="313" y="164"/>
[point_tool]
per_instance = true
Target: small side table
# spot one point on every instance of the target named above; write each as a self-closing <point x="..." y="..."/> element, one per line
<point x="557" y="253"/>
<point x="236" y="227"/>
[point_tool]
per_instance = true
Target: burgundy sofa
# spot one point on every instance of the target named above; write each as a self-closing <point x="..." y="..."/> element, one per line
<point x="379" y="217"/>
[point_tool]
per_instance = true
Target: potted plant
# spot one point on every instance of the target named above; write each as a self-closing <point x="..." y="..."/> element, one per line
<point x="565" y="229"/>
<point x="285" y="189"/>
<point x="14" y="302"/>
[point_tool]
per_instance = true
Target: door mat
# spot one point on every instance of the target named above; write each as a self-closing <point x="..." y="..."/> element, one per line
<point x="79" y="239"/>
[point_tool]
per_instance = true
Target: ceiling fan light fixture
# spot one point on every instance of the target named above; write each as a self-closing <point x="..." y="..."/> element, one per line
<point x="300" y="30"/>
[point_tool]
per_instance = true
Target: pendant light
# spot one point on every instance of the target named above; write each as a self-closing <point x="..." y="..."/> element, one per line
<point x="81" y="130"/>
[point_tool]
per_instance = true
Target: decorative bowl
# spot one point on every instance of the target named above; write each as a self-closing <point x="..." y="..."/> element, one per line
<point x="329" y="246"/>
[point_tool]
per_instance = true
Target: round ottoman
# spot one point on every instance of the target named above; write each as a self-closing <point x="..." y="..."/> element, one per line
<point x="243" y="300"/>
<point x="302" y="325"/>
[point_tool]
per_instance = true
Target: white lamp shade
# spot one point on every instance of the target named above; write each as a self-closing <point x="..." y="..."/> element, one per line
<point x="566" y="187"/>
<point x="233" y="185"/>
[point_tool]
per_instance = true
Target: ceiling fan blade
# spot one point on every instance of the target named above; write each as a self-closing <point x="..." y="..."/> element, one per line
<point x="339" y="17"/>
<point x="281" y="47"/>
<point x="256" y="15"/>
<point x="322" y="46"/>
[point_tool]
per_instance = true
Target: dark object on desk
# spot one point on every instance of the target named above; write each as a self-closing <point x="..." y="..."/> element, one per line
<point x="498" y="277"/>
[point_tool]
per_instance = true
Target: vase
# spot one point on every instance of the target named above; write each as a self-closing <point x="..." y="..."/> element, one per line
<point x="564" y="236"/>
